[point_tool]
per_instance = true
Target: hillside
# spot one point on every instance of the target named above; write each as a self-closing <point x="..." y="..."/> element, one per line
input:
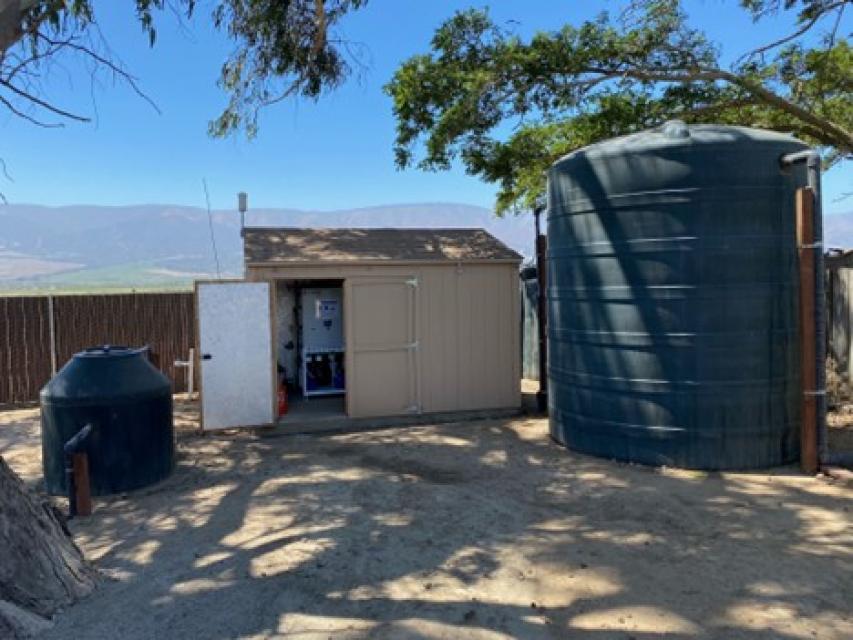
<point x="164" y="246"/>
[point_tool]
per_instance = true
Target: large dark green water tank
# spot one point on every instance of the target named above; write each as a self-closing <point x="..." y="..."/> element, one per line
<point x="129" y="404"/>
<point x="672" y="289"/>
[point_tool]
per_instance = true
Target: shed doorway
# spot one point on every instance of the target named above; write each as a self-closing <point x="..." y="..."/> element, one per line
<point x="310" y="349"/>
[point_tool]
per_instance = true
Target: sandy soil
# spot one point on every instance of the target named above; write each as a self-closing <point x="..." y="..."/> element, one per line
<point x="475" y="530"/>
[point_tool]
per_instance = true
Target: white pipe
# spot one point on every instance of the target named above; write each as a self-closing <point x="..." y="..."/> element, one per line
<point x="189" y="365"/>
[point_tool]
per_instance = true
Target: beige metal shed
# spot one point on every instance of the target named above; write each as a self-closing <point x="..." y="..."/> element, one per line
<point x="430" y="319"/>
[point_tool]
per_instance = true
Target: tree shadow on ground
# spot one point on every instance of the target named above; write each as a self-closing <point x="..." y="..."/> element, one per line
<point x="477" y="530"/>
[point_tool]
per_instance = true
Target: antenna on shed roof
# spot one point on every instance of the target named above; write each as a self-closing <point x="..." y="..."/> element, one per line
<point x="210" y="225"/>
<point x="242" y="206"/>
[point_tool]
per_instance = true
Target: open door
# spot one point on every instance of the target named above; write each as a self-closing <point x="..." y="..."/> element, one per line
<point x="382" y="346"/>
<point x="235" y="354"/>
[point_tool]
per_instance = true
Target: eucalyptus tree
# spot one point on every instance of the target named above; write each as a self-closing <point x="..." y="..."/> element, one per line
<point x="281" y="49"/>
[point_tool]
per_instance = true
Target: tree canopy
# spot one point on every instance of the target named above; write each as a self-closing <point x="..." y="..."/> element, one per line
<point x="614" y="75"/>
<point x="282" y="49"/>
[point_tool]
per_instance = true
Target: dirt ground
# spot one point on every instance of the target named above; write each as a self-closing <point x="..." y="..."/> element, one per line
<point x="840" y="425"/>
<point x="470" y="530"/>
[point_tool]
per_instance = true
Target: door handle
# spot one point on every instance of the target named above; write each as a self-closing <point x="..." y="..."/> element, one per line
<point x="206" y="356"/>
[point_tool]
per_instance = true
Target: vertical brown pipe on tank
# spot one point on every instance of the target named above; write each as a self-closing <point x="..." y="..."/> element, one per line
<point x="806" y="248"/>
<point x="83" y="493"/>
<point x="77" y="473"/>
<point x="542" y="310"/>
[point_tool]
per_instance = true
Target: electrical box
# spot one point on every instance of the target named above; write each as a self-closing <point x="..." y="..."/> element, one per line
<point x="322" y="319"/>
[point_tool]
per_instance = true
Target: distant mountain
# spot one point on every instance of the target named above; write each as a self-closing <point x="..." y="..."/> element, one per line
<point x="84" y="246"/>
<point x="164" y="246"/>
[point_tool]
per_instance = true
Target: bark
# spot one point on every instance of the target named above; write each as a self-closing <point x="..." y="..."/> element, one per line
<point x="42" y="570"/>
<point x="12" y="12"/>
<point x="19" y="624"/>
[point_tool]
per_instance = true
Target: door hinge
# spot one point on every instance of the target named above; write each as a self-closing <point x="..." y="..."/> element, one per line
<point x="413" y="282"/>
<point x="412" y="345"/>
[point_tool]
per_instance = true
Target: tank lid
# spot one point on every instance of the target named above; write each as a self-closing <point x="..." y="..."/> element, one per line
<point x="109" y="351"/>
<point x="675" y="129"/>
<point x="105" y="373"/>
<point x="676" y="133"/>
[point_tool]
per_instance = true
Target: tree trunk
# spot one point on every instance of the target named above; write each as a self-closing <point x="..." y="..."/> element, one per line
<point x="41" y="569"/>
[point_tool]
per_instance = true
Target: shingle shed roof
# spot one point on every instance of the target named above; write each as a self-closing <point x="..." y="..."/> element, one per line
<point x="283" y="245"/>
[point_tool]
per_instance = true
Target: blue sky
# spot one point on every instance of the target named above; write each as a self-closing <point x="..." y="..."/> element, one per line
<point x="328" y="155"/>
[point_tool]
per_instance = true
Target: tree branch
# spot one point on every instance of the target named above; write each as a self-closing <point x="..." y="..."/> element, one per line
<point x="320" y="20"/>
<point x="271" y="101"/>
<point x="833" y="134"/>
<point x="28" y="117"/>
<point x="41" y="103"/>
<point x="109" y="64"/>
<point x="835" y="28"/>
<point x="712" y="108"/>
<point x="808" y="25"/>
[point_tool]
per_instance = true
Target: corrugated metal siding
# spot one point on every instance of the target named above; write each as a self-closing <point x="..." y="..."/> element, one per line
<point x="165" y="321"/>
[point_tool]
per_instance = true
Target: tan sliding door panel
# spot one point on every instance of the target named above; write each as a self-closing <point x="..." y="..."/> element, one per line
<point x="382" y="347"/>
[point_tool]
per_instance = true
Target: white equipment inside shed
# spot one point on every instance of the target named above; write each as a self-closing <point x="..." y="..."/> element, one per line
<point x="322" y="340"/>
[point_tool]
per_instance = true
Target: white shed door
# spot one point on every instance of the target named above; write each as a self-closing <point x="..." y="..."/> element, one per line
<point x="381" y="345"/>
<point x="235" y="351"/>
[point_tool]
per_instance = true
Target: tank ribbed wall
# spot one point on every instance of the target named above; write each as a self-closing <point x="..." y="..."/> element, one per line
<point x="128" y="402"/>
<point x="673" y="324"/>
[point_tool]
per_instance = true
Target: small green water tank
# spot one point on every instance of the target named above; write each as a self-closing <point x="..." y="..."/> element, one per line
<point x="127" y="401"/>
